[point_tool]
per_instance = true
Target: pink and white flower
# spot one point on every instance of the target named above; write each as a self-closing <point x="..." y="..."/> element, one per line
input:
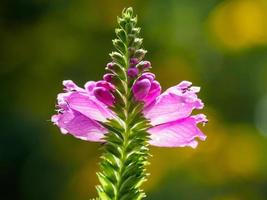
<point x="170" y="112"/>
<point x="82" y="110"/>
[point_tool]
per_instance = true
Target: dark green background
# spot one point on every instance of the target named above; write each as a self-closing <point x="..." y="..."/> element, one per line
<point x="43" y="42"/>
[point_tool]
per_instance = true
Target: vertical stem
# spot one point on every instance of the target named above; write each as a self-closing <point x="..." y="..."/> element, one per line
<point x="126" y="149"/>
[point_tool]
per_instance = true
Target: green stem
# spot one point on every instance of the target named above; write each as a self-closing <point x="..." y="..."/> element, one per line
<point x="126" y="148"/>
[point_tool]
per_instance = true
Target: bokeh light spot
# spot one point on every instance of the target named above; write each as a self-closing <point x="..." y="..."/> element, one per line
<point x="240" y="24"/>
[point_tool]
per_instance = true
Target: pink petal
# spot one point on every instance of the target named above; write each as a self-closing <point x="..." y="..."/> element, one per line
<point x="71" y="86"/>
<point x="89" y="106"/>
<point x="132" y="72"/>
<point x="106" y="85"/>
<point x="79" y="126"/>
<point x="175" y="103"/>
<point x="104" y="96"/>
<point x="184" y="84"/>
<point x="153" y="93"/>
<point x="141" y="89"/>
<point x="109" y="77"/>
<point x="178" y="133"/>
<point x="148" y="75"/>
<point x="89" y="86"/>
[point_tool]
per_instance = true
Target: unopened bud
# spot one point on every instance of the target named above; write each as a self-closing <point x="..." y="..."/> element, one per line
<point x="132" y="72"/>
<point x="105" y="84"/>
<point x="144" y="65"/>
<point x="140" y="54"/>
<point x="141" y="89"/>
<point x="108" y="77"/>
<point x="134" y="61"/>
<point x="104" y="95"/>
<point x="115" y="68"/>
<point x="117" y="57"/>
<point x="137" y="42"/>
<point x="110" y="65"/>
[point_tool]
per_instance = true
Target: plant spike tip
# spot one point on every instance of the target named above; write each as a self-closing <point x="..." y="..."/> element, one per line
<point x="126" y="111"/>
<point x="126" y="148"/>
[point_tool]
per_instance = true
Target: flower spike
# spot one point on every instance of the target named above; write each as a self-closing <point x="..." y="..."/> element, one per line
<point x="127" y="112"/>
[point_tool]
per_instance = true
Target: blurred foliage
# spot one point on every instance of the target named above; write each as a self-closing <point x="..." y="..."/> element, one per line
<point x="219" y="45"/>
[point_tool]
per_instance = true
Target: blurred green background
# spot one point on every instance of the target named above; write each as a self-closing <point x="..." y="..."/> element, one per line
<point x="219" y="45"/>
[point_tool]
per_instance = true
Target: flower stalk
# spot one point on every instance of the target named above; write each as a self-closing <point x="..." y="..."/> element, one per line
<point x="126" y="111"/>
<point x="126" y="147"/>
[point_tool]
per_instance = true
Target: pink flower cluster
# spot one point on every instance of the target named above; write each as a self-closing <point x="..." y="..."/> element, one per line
<point x="82" y="110"/>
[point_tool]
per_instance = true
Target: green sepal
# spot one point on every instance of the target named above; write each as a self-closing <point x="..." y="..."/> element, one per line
<point x="118" y="70"/>
<point x="140" y="54"/>
<point x="122" y="35"/>
<point x="120" y="46"/>
<point x="126" y="143"/>
<point x="102" y="194"/>
<point x="118" y="58"/>
<point x="108" y="186"/>
<point x="137" y="43"/>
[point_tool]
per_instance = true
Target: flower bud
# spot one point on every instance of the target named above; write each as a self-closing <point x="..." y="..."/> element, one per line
<point x="141" y="89"/>
<point x="137" y="42"/>
<point x="148" y="75"/>
<point x="105" y="84"/>
<point x="104" y="95"/>
<point x="136" y="31"/>
<point x="146" y="88"/>
<point x="118" y="57"/>
<point x="134" y="61"/>
<point x="89" y="86"/>
<point x="115" y="68"/>
<point x="132" y="72"/>
<point x="131" y="51"/>
<point x="144" y="65"/>
<point x="110" y="65"/>
<point x="114" y="79"/>
<point x="119" y="45"/>
<point x="121" y="34"/>
<point x="140" y="54"/>
<point x="108" y="77"/>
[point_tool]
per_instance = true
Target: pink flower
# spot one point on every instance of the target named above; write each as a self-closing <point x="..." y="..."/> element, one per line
<point x="146" y="89"/>
<point x="170" y="112"/>
<point x="81" y="111"/>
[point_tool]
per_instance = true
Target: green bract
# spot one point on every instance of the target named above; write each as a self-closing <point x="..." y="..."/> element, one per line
<point x="126" y="144"/>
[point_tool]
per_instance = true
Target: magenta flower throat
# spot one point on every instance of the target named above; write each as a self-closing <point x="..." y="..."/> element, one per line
<point x="127" y="112"/>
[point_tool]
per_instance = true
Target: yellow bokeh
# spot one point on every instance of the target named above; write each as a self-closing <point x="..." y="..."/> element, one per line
<point x="240" y="23"/>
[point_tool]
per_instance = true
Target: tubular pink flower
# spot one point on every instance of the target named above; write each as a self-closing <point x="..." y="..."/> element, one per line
<point x="79" y="126"/>
<point x="175" y="103"/>
<point x="127" y="111"/>
<point x="146" y="89"/>
<point x="81" y="110"/>
<point x="170" y="112"/>
<point x="104" y="95"/>
<point x="179" y="133"/>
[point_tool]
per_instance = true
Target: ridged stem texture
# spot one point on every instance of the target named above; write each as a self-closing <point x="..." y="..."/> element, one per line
<point x="122" y="166"/>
